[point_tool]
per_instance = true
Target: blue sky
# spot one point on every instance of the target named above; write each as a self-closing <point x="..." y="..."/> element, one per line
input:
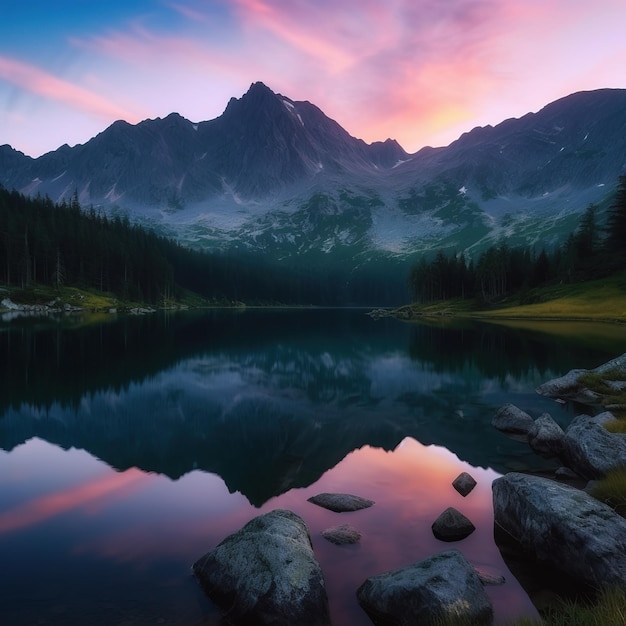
<point x="420" y="71"/>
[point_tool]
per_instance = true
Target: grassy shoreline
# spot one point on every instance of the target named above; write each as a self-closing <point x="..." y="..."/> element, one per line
<point x="594" y="301"/>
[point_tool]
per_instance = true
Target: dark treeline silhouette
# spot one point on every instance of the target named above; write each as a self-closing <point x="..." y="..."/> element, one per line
<point x="593" y="251"/>
<point x="61" y="244"/>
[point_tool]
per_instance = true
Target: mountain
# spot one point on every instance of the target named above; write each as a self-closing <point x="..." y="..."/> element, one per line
<point x="279" y="177"/>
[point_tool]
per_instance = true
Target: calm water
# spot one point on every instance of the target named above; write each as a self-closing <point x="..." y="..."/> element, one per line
<point x="130" y="447"/>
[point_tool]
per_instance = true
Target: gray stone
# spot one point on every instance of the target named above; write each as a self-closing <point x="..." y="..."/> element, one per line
<point x="464" y="483"/>
<point x="566" y="473"/>
<point x="443" y="588"/>
<point x="266" y="573"/>
<point x="510" y="419"/>
<point x="342" y="535"/>
<point x="569" y="388"/>
<point x="452" y="525"/>
<point x="563" y="526"/>
<point x="487" y="578"/>
<point x="591" y="450"/>
<point x="603" y="418"/>
<point x="340" y="502"/>
<point x="616" y="364"/>
<point x="616" y="385"/>
<point x="546" y="436"/>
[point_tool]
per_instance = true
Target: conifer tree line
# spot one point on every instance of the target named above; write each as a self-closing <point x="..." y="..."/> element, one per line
<point x="58" y="244"/>
<point x="596" y="249"/>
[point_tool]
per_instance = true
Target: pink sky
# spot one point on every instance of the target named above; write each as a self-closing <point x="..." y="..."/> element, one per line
<point x="419" y="71"/>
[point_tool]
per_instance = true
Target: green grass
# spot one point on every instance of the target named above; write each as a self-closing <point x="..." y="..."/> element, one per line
<point x="612" y="490"/>
<point x="609" y="609"/>
<point x="593" y="300"/>
<point x="614" y="400"/>
<point x="86" y="299"/>
<point x="93" y="300"/>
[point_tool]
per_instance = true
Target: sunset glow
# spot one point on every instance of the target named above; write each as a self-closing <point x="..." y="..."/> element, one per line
<point x="421" y="72"/>
<point x="41" y="509"/>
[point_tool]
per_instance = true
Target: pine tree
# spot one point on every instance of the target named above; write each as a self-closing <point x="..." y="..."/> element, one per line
<point x="616" y="226"/>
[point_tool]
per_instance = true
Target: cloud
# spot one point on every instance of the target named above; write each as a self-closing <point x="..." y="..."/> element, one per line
<point x="40" y="83"/>
<point x="421" y="71"/>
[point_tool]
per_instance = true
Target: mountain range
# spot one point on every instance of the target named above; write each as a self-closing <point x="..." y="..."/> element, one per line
<point x="278" y="176"/>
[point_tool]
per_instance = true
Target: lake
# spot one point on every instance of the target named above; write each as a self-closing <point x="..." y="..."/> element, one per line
<point x="130" y="446"/>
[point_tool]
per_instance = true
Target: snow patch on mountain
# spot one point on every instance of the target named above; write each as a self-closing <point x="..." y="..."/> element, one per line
<point x="292" y="109"/>
<point x="59" y="176"/>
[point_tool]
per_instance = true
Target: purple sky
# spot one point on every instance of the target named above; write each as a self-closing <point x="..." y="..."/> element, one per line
<point x="420" y="71"/>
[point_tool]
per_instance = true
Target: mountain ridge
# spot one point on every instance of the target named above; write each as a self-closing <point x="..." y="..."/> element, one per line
<point x="274" y="175"/>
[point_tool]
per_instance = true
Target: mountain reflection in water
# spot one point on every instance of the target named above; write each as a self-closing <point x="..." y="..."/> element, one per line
<point x="209" y="418"/>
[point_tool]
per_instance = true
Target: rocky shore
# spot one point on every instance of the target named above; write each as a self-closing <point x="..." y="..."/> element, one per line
<point x="10" y="310"/>
<point x="266" y="573"/>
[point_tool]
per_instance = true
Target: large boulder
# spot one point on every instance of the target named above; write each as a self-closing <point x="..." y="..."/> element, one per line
<point x="546" y="436"/>
<point x="563" y="526"/>
<point x="591" y="450"/>
<point x="266" y="573"/>
<point x="441" y="589"/>
<point x="510" y="419"/>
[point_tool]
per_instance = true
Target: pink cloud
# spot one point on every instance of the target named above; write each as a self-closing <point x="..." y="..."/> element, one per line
<point x="284" y="21"/>
<point x="421" y="71"/>
<point x="384" y="70"/>
<point x="41" y="83"/>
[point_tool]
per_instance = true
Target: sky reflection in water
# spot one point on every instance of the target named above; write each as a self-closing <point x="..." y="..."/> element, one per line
<point x="130" y="449"/>
<point x="136" y="521"/>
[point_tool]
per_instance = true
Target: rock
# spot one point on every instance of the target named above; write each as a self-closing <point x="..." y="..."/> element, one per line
<point x="616" y="385"/>
<point x="510" y="419"/>
<point x="618" y="363"/>
<point x="487" y="578"/>
<point x="591" y="450"/>
<point x="603" y="418"/>
<point x="266" y="573"/>
<point x="546" y="436"/>
<point x="569" y="388"/>
<point x="452" y="525"/>
<point x="342" y="535"/>
<point x="566" y="473"/>
<point x="441" y="589"/>
<point x="340" y="502"/>
<point x="464" y="483"/>
<point x="379" y="313"/>
<point x="563" y="526"/>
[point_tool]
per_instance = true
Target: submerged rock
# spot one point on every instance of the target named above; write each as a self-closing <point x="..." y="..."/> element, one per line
<point x="564" y="527"/>
<point x="266" y="573"/>
<point x="510" y="419"/>
<point x="452" y="525"/>
<point x="342" y="535"/>
<point x="441" y="589"/>
<point x="464" y="483"/>
<point x="340" y="502"/>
